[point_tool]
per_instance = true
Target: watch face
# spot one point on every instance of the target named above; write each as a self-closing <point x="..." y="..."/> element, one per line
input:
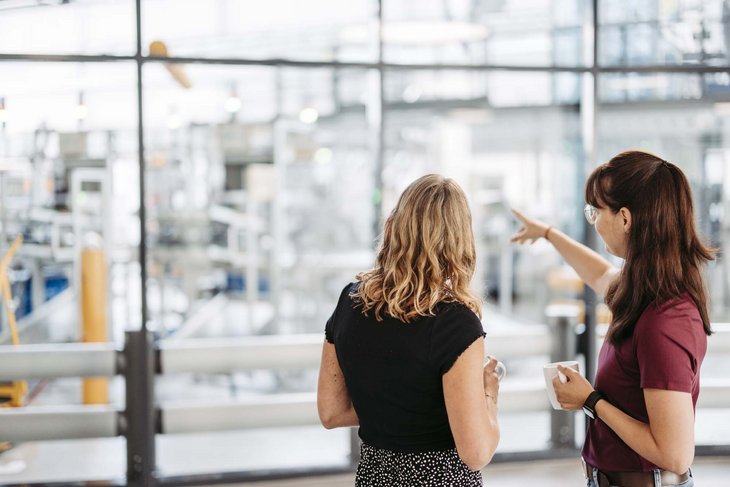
<point x="588" y="412"/>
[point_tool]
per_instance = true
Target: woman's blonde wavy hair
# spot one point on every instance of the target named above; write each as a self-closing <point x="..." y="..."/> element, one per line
<point x="427" y="254"/>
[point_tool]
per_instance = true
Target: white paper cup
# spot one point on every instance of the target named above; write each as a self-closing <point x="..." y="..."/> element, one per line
<point x="501" y="369"/>
<point x="550" y="371"/>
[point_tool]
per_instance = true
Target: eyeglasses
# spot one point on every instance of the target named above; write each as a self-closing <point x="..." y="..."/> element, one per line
<point x="591" y="213"/>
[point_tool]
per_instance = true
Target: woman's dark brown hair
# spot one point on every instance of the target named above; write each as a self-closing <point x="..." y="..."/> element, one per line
<point x="664" y="256"/>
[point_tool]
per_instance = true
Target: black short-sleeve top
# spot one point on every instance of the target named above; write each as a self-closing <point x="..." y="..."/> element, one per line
<point x="393" y="371"/>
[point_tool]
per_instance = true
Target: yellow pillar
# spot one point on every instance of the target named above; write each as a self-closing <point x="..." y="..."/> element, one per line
<point x="93" y="317"/>
<point x="13" y="392"/>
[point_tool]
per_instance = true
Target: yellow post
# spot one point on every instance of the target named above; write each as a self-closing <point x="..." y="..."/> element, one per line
<point x="14" y="391"/>
<point x="93" y="317"/>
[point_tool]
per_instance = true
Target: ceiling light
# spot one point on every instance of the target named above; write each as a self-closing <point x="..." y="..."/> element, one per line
<point x="3" y="111"/>
<point x="81" y="111"/>
<point x="308" y="115"/>
<point x="323" y="155"/>
<point x="174" y="120"/>
<point x="411" y="94"/>
<point x="233" y="102"/>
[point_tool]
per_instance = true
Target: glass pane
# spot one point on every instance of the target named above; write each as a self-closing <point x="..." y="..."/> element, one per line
<point x="480" y="89"/>
<point x="260" y="184"/>
<point x="647" y="32"/>
<point x="320" y="30"/>
<point x="533" y="33"/>
<point x="83" y="123"/>
<point x="63" y="27"/>
<point x="69" y="186"/>
<point x="646" y="87"/>
<point x="505" y="151"/>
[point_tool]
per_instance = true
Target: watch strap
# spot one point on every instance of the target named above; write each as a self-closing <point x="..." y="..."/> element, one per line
<point x="591" y="402"/>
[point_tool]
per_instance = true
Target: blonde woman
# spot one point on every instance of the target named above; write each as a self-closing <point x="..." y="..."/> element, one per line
<point x="404" y="351"/>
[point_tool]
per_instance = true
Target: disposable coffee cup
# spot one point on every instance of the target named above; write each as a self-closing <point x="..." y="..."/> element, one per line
<point x="550" y="371"/>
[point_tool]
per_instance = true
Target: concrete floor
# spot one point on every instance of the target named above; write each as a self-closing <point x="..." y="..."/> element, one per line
<point x="708" y="472"/>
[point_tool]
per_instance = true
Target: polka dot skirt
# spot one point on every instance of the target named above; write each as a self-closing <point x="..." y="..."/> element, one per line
<point x="385" y="468"/>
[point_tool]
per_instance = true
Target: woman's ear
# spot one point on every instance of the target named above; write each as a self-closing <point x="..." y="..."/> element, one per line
<point x="625" y="215"/>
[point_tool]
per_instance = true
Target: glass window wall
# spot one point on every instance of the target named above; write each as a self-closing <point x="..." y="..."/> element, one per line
<point x="269" y="166"/>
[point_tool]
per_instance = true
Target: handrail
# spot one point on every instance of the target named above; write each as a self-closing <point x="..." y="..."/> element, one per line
<point x="51" y="361"/>
<point x="38" y="423"/>
<point x="215" y="355"/>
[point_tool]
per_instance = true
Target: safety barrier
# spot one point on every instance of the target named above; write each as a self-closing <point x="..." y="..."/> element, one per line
<point x="263" y="352"/>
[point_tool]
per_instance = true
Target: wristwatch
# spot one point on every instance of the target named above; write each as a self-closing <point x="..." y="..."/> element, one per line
<point x="589" y="407"/>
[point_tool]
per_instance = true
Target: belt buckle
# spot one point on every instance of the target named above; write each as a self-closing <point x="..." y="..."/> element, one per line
<point x="669" y="478"/>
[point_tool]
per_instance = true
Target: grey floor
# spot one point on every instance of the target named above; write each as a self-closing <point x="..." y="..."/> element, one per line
<point x="708" y="472"/>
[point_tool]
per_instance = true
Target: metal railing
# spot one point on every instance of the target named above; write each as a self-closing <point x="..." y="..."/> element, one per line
<point x="557" y="340"/>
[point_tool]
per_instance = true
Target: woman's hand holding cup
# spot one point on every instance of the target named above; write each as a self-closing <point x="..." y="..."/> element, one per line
<point x="494" y="371"/>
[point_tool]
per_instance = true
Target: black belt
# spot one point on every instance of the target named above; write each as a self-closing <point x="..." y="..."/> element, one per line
<point x="634" y="479"/>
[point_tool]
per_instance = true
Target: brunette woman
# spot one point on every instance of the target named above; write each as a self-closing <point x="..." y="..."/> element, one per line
<point x="642" y="405"/>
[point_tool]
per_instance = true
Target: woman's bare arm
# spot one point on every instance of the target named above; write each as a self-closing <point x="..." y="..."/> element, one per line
<point x="333" y="401"/>
<point x="592" y="268"/>
<point x="473" y="415"/>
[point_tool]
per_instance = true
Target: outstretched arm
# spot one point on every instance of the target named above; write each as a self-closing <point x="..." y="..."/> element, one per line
<point x="592" y="268"/>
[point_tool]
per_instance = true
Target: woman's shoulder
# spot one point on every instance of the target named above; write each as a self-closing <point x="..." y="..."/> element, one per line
<point x="682" y="305"/>
<point x="348" y="295"/>
<point x="672" y="328"/>
<point x="673" y="315"/>
<point x="456" y="313"/>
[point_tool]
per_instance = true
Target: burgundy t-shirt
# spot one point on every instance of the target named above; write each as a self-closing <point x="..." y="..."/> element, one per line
<point x="665" y="352"/>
